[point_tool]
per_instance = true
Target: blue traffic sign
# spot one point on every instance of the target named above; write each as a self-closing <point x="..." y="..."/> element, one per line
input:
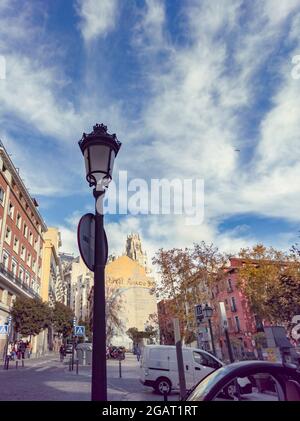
<point x="79" y="330"/>
<point x="3" y="329"/>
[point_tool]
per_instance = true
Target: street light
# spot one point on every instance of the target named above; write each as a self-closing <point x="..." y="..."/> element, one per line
<point x="99" y="149"/>
<point x="208" y="312"/>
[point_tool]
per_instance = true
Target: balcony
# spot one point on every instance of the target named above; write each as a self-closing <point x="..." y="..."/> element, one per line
<point x="17" y="281"/>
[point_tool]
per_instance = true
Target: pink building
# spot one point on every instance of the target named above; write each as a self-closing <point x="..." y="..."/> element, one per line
<point x="242" y="324"/>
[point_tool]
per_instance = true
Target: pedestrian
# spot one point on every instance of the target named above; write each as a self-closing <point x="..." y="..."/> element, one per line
<point x="22" y="349"/>
<point x="9" y="351"/>
<point x="29" y="349"/>
<point x="62" y="352"/>
<point x="138" y="352"/>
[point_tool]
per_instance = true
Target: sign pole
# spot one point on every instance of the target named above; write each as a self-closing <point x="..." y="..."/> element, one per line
<point x="99" y="380"/>
<point x="182" y="384"/>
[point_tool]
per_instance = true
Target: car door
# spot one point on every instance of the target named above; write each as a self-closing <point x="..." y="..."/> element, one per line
<point x="203" y="365"/>
<point x="188" y="368"/>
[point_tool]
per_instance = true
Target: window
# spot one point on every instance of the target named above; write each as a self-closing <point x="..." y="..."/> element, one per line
<point x="19" y="220"/>
<point x="14" y="267"/>
<point x="30" y="237"/>
<point x="11" y="210"/>
<point x="229" y="285"/>
<point x="5" y="259"/>
<point x="233" y="304"/>
<point x="21" y="274"/>
<point x="1" y="293"/>
<point x="237" y="323"/>
<point x="1" y="196"/>
<point x="33" y="264"/>
<point x="23" y="252"/>
<point x="29" y="259"/>
<point x="9" y="299"/>
<point x="25" y="230"/>
<point x="27" y="278"/>
<point x="8" y="235"/>
<point x="204" y="359"/>
<point x="16" y="245"/>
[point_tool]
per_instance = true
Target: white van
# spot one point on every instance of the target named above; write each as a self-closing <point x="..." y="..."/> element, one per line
<point x="158" y="367"/>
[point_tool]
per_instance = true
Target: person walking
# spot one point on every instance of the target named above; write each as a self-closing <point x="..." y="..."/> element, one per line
<point x="22" y="349"/>
<point x="29" y="349"/>
<point x="62" y="352"/>
<point x="138" y="352"/>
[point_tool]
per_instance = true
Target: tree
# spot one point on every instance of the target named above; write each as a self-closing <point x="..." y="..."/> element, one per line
<point x="137" y="336"/>
<point x="113" y="311"/>
<point x="62" y="319"/>
<point x="270" y="280"/>
<point x="187" y="276"/>
<point x="30" y="316"/>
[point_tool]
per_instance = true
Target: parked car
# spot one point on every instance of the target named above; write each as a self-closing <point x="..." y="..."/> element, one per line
<point x="158" y="367"/>
<point x="270" y="382"/>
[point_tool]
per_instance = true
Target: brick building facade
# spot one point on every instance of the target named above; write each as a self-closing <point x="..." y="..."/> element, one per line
<point x="21" y="239"/>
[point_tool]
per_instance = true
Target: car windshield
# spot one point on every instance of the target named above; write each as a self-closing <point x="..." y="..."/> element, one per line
<point x="209" y="381"/>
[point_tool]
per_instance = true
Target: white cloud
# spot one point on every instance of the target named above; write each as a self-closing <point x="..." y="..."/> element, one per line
<point x="98" y="18"/>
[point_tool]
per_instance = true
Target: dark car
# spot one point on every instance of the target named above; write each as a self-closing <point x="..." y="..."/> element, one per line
<point x="269" y="382"/>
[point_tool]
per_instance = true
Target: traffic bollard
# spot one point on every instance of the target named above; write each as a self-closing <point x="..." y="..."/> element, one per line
<point x="70" y="364"/>
<point x="17" y="364"/>
<point x="165" y="396"/>
<point x="77" y="363"/>
<point x="120" y="369"/>
<point x="23" y="363"/>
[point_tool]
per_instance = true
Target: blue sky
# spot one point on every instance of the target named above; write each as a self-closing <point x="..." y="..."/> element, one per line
<point x="183" y="84"/>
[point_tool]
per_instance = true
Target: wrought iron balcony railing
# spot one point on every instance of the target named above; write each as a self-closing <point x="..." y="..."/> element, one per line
<point x="17" y="281"/>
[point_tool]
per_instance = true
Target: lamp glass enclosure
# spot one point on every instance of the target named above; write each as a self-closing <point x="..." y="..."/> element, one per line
<point x="99" y="160"/>
<point x="208" y="311"/>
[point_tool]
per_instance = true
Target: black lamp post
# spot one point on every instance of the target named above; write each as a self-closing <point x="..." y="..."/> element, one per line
<point x="99" y="149"/>
<point x="208" y="312"/>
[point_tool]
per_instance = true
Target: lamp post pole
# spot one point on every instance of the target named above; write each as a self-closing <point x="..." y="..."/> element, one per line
<point x="99" y="149"/>
<point x="99" y="380"/>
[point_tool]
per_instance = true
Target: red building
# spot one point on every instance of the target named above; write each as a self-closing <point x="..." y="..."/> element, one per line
<point x="21" y="239"/>
<point x="242" y="324"/>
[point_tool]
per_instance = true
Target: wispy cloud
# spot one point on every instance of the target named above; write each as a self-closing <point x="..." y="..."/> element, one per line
<point x="98" y="18"/>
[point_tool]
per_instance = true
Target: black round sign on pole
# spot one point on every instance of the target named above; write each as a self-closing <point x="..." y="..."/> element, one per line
<point x="86" y="240"/>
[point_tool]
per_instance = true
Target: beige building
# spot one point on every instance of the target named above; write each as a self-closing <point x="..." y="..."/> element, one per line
<point x="128" y="279"/>
<point x="52" y="286"/>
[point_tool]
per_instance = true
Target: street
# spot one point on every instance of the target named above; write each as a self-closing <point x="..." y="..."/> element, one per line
<point x="47" y="379"/>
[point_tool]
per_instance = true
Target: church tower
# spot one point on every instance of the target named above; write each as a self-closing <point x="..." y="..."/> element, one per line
<point x="135" y="252"/>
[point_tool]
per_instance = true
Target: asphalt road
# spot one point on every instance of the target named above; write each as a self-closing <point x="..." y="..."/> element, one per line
<point x="47" y="379"/>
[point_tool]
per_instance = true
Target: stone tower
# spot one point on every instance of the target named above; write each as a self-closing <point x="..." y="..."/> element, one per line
<point x="135" y="252"/>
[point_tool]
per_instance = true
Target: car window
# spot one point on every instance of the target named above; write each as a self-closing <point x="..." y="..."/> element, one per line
<point x="256" y="387"/>
<point x="205" y="360"/>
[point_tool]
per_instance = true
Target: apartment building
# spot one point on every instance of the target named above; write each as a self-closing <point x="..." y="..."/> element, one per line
<point x="21" y="239"/>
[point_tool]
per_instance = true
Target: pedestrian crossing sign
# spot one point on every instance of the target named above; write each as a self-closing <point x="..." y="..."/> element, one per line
<point x="79" y="330"/>
<point x="3" y="329"/>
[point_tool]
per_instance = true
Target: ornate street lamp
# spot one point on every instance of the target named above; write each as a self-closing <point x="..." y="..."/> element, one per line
<point x="208" y="312"/>
<point x="99" y="149"/>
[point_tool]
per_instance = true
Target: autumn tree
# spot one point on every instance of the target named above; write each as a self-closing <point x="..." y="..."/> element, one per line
<point x="270" y="280"/>
<point x="30" y="316"/>
<point x="186" y="278"/>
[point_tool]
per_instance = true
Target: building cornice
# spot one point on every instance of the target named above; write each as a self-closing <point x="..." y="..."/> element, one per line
<point x="9" y="164"/>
